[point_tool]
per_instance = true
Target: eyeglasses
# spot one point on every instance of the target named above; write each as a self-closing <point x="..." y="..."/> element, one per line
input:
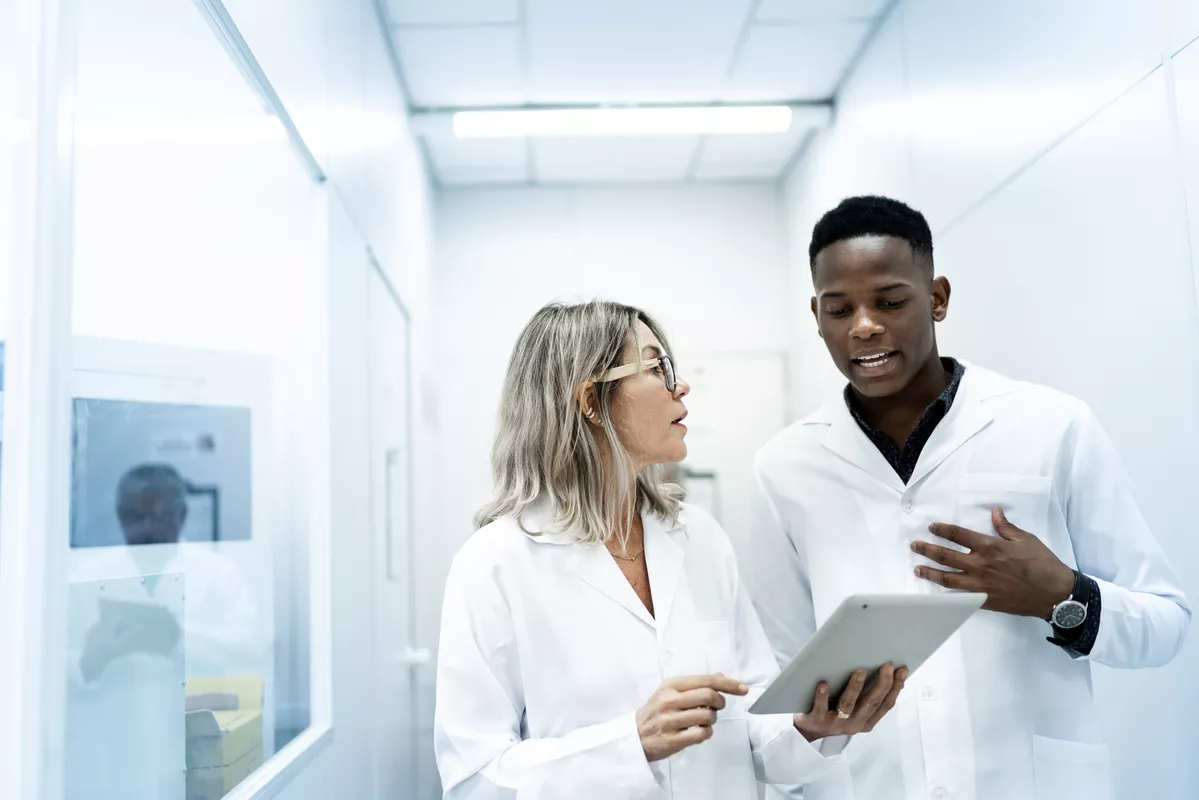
<point x="664" y="363"/>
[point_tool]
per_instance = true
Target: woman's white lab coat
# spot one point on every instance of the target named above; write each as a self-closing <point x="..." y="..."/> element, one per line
<point x="547" y="654"/>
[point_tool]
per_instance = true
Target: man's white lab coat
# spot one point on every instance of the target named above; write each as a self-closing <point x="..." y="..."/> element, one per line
<point x="998" y="713"/>
<point x="547" y="654"/>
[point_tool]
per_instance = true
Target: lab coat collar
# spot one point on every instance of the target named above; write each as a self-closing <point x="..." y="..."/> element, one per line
<point x="665" y="552"/>
<point x="969" y="415"/>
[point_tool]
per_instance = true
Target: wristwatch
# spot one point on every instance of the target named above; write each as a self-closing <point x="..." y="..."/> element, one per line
<point x="1072" y="612"/>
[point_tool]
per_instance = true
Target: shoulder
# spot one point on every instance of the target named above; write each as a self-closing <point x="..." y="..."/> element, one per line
<point x="797" y="442"/>
<point x="703" y="529"/>
<point x="489" y="550"/>
<point x="1025" y="398"/>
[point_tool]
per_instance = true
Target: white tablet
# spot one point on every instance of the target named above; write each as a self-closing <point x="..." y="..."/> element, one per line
<point x="867" y="631"/>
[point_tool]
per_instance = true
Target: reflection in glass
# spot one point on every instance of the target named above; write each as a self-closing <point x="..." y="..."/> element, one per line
<point x="198" y="259"/>
<point x="179" y="473"/>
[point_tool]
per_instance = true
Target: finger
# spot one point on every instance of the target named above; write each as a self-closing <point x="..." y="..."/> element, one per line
<point x="820" y="701"/>
<point x="877" y="692"/>
<point x="849" y="698"/>
<point x="1005" y="529"/>
<point x="942" y="555"/>
<point x="698" y="698"/>
<point x="971" y="540"/>
<point x="950" y="580"/>
<point x="681" y="720"/>
<point x="691" y="736"/>
<point x="901" y="676"/>
<point x="720" y="683"/>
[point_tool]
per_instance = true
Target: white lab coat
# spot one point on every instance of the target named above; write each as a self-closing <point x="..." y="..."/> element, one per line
<point x="998" y="712"/>
<point x="547" y="654"/>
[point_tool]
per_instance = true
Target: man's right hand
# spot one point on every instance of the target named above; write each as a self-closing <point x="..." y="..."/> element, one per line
<point x="681" y="713"/>
<point x="853" y="713"/>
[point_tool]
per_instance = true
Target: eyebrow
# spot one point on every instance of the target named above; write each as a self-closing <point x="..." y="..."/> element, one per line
<point x="890" y="287"/>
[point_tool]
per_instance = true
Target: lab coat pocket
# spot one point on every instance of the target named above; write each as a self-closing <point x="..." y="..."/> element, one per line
<point x="1023" y="498"/>
<point x="1071" y="769"/>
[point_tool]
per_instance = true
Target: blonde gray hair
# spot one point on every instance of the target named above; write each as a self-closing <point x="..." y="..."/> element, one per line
<point x="545" y="449"/>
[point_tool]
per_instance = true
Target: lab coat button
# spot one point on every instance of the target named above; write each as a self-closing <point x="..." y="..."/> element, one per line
<point x="929" y="693"/>
<point x="666" y="656"/>
<point x="908" y="505"/>
<point x="938" y="793"/>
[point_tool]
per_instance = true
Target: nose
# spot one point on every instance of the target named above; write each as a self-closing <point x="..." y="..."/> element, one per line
<point x="864" y="326"/>
<point x="681" y="388"/>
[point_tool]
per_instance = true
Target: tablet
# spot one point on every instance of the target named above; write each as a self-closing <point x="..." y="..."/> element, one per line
<point x="155" y="626"/>
<point x="867" y="631"/>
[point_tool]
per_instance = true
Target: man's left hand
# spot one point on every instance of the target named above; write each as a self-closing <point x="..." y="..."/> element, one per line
<point x="1018" y="573"/>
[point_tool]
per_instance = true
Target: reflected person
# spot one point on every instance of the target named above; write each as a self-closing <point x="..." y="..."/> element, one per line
<point x="596" y="639"/>
<point x="221" y="631"/>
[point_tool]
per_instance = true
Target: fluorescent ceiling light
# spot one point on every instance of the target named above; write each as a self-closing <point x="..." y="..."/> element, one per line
<point x="621" y="121"/>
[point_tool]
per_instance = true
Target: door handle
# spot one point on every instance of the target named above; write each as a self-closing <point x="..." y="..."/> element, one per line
<point x="416" y="656"/>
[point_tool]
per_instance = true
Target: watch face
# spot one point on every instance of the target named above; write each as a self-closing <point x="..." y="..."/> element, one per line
<point x="1069" y="614"/>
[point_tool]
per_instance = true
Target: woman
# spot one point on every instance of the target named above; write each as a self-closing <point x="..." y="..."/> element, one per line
<point x="596" y="640"/>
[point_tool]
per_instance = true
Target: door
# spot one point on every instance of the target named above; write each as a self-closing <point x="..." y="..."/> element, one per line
<point x="398" y="658"/>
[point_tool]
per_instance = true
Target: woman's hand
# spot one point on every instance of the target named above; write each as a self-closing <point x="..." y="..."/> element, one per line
<point x="681" y="713"/>
<point x="852" y="712"/>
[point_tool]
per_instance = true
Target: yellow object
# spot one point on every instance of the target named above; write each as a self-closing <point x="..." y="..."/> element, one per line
<point x="223" y="746"/>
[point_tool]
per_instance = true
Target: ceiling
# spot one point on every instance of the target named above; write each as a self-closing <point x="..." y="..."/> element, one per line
<point x="504" y="53"/>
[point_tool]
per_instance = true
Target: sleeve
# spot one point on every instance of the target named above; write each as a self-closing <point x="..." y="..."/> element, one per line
<point x="782" y="592"/>
<point x="1145" y="615"/>
<point x="478" y="738"/>
<point x="780" y="752"/>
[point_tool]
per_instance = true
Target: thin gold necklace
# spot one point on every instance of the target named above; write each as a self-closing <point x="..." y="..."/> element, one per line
<point x="640" y="553"/>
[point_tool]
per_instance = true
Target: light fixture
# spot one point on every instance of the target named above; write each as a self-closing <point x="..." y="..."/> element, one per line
<point x="658" y="121"/>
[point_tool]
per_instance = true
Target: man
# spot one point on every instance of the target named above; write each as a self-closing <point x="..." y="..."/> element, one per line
<point x="931" y="475"/>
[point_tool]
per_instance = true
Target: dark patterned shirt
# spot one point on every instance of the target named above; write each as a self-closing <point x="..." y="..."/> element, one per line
<point x="903" y="460"/>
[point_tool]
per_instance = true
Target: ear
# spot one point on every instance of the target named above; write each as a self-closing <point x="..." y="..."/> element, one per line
<point x="588" y="402"/>
<point x="816" y="315"/>
<point x="940" y="292"/>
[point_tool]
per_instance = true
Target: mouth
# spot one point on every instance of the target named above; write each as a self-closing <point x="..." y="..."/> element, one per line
<point x="679" y="421"/>
<point x="875" y="363"/>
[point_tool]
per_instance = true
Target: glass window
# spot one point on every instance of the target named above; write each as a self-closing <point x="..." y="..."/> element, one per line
<point x="197" y="391"/>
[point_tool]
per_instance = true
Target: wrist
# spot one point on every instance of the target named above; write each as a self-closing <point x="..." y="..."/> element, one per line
<point x="1062" y="588"/>
<point x="798" y="720"/>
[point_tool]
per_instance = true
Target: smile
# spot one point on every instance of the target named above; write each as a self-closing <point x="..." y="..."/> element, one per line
<point x="875" y="363"/>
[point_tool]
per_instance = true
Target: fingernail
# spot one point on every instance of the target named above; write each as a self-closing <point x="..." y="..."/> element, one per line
<point x="822" y="690"/>
<point x="919" y="572"/>
<point x="741" y="687"/>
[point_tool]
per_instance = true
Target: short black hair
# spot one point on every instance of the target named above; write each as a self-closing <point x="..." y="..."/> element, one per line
<point x="871" y="215"/>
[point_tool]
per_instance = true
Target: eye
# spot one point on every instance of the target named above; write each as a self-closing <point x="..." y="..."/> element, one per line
<point x="893" y="304"/>
<point x="837" y="312"/>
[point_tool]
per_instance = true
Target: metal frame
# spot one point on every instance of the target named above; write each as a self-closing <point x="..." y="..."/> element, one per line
<point x="36" y="481"/>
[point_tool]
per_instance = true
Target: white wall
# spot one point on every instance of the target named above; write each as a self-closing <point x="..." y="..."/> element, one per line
<point x="1055" y="149"/>
<point x="709" y="262"/>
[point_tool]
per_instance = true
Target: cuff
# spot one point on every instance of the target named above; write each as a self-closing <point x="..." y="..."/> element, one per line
<point x="784" y="756"/>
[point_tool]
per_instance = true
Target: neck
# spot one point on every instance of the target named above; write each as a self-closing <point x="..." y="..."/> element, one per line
<point x="905" y="407"/>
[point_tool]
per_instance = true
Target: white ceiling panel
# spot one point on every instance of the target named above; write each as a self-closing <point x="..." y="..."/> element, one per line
<point x="794" y="61"/>
<point x="452" y="12"/>
<point x="462" y="66"/>
<point x="807" y="10"/>
<point x="738" y="172"/>
<point x="476" y="176"/>
<point x="755" y="149"/>
<point x="449" y="152"/>
<point x="631" y="50"/>
<point x="586" y="160"/>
